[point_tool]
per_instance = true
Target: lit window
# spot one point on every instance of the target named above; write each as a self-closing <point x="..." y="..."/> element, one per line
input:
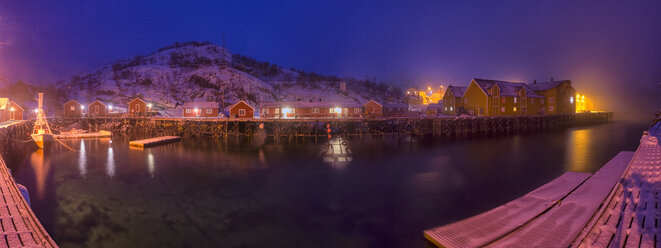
<point x="551" y="99"/>
<point x="571" y="100"/>
<point x="551" y="109"/>
<point x="187" y="111"/>
<point x="514" y="109"/>
<point x="209" y="111"/>
<point x="446" y="108"/>
<point x="356" y="110"/>
<point x="502" y="109"/>
<point x="465" y="100"/>
<point x="515" y="102"/>
<point x="266" y="111"/>
<point x="242" y="112"/>
<point x="277" y="111"/>
<point x="315" y="110"/>
<point x="450" y="108"/>
<point x="72" y="108"/>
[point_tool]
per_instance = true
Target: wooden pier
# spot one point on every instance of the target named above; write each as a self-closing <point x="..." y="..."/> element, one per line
<point x="100" y="134"/>
<point x="154" y="141"/>
<point x="617" y="206"/>
<point x="20" y="226"/>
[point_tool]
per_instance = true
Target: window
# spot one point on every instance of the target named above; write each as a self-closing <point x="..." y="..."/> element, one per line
<point x="96" y="108"/>
<point x="209" y="111"/>
<point x="446" y="108"/>
<point x="277" y="111"/>
<point x="356" y="110"/>
<point x="514" y="109"/>
<point x="551" y="109"/>
<point x="502" y="109"/>
<point x="514" y="101"/>
<point x="465" y="100"/>
<point x="315" y="110"/>
<point x="551" y="99"/>
<point x="266" y="111"/>
<point x="571" y="100"/>
<point x="72" y="108"/>
<point x="541" y="101"/>
<point x="242" y="112"/>
<point x="450" y="108"/>
<point x="330" y="110"/>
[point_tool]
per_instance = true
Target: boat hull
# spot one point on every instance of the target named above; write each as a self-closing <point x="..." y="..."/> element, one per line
<point x="42" y="139"/>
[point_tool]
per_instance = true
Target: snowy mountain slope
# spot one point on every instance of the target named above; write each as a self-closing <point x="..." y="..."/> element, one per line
<point x="197" y="71"/>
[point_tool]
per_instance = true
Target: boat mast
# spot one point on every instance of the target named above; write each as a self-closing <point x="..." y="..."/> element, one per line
<point x="41" y="123"/>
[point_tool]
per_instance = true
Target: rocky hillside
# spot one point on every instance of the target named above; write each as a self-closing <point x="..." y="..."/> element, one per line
<point x="201" y="71"/>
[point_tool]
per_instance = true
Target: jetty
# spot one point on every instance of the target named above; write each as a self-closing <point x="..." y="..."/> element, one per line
<point x="154" y="141"/>
<point x="20" y="226"/>
<point x="100" y="134"/>
<point x="617" y="206"/>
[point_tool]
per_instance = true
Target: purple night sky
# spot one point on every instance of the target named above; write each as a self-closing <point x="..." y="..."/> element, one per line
<point x="611" y="50"/>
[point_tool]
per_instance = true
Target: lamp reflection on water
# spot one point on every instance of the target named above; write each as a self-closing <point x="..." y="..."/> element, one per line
<point x="110" y="163"/>
<point x="82" y="160"/>
<point x="41" y="166"/>
<point x="150" y="164"/>
<point x="337" y="153"/>
<point x="577" y="150"/>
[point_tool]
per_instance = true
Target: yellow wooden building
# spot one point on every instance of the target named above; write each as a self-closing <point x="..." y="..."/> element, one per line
<point x="559" y="96"/>
<point x="501" y="98"/>
<point x="452" y="100"/>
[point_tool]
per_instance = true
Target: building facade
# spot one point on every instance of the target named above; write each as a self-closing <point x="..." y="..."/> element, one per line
<point x="452" y="100"/>
<point x="500" y="98"/>
<point x="241" y="109"/>
<point x="10" y="110"/>
<point x="434" y="109"/>
<point x="97" y="108"/>
<point x="372" y="109"/>
<point x="310" y="110"/>
<point x="200" y="109"/>
<point x="138" y="107"/>
<point x="559" y="96"/>
<point x="73" y="108"/>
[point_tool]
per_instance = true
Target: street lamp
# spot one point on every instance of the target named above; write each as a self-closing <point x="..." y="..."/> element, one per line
<point x="110" y="107"/>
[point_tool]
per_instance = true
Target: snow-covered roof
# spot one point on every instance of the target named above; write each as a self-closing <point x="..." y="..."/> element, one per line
<point x="72" y="100"/>
<point x="310" y="104"/>
<point x="457" y="91"/>
<point x="200" y="105"/>
<point x="242" y="101"/>
<point x="506" y="88"/>
<point x="97" y="100"/>
<point x="547" y="85"/>
<point x="396" y="105"/>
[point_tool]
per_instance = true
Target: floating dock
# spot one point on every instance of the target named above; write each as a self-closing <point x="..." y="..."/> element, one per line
<point x="617" y="206"/>
<point x="100" y="134"/>
<point x="154" y="141"/>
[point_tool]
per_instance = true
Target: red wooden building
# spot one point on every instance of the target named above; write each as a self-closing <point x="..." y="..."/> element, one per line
<point x="10" y="110"/>
<point x="310" y="110"/>
<point x="138" y="107"/>
<point x="73" y="108"/>
<point x="200" y="109"/>
<point x="373" y="109"/>
<point x="241" y="109"/>
<point x="97" y="108"/>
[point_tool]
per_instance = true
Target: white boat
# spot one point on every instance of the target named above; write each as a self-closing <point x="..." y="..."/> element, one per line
<point x="41" y="134"/>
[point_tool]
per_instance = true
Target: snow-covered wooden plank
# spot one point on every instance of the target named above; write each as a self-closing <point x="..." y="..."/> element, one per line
<point x="559" y="226"/>
<point x="486" y="227"/>
<point x="154" y="141"/>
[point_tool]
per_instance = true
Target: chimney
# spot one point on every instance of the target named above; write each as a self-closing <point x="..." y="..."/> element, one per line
<point x="343" y="86"/>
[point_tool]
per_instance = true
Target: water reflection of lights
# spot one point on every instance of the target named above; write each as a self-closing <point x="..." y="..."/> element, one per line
<point x="110" y="163"/>
<point x="337" y="153"/>
<point x="578" y="150"/>
<point x="82" y="160"/>
<point x="150" y="164"/>
<point x="41" y="166"/>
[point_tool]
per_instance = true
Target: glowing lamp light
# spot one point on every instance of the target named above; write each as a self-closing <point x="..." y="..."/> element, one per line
<point x="193" y="110"/>
<point x="36" y="110"/>
<point x="149" y="105"/>
<point x="338" y="110"/>
<point x="82" y="107"/>
<point x="110" y="107"/>
<point x="571" y="99"/>
<point x="11" y="109"/>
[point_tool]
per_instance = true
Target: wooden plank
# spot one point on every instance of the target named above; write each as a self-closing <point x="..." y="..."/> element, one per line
<point x="561" y="224"/>
<point x="154" y="141"/>
<point x="486" y="227"/>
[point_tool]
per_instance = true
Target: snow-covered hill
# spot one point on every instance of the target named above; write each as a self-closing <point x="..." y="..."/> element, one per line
<point x="201" y="71"/>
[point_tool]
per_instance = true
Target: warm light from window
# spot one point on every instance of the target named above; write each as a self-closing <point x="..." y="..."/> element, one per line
<point x="286" y="111"/>
<point x="514" y="109"/>
<point x="571" y="99"/>
<point x="338" y="110"/>
<point x="36" y="110"/>
<point x="11" y="109"/>
<point x="149" y="105"/>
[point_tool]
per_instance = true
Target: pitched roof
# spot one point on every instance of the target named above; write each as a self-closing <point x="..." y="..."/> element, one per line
<point x="97" y="100"/>
<point x="137" y="98"/>
<point x="310" y="104"/>
<point x="200" y="105"/>
<point x="72" y="100"/>
<point x="506" y="88"/>
<point x="372" y="100"/>
<point x="242" y="101"/>
<point x="547" y="85"/>
<point x="457" y="91"/>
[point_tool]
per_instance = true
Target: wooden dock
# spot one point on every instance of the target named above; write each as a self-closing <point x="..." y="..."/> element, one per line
<point x="100" y="134"/>
<point x="154" y="141"/>
<point x="617" y="206"/>
<point x="20" y="227"/>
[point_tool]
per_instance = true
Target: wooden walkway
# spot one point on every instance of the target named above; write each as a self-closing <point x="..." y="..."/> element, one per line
<point x="20" y="227"/>
<point x="154" y="141"/>
<point x="618" y="206"/>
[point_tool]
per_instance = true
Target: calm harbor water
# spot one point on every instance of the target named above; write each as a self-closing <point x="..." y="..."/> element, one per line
<point x="377" y="192"/>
